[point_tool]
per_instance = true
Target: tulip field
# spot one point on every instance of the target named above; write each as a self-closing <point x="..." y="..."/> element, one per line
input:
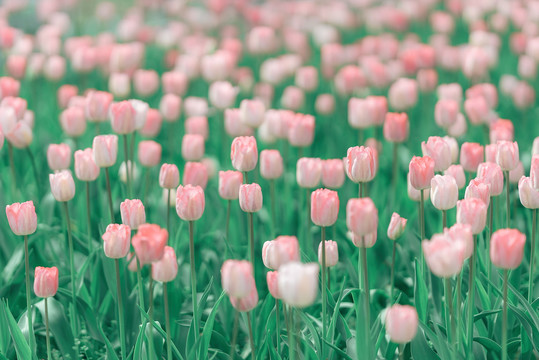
<point x="233" y="179"/>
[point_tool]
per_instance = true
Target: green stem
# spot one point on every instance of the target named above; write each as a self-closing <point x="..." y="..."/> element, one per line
<point x="251" y="240"/>
<point x="109" y="192"/>
<point x="140" y="295"/>
<point x="72" y="269"/>
<point x="227" y="225"/>
<point x="489" y="236"/>
<point x="245" y="177"/>
<point x="277" y="326"/>
<point x="31" y="336"/>
<point x="121" y="321"/>
<point x="393" y="256"/>
<point x="361" y="185"/>
<point x="291" y="336"/>
<point x="450" y="318"/>
<point x="168" y="211"/>
<point x="401" y="351"/>
<point x="471" y="297"/>
<point x="49" y="355"/>
<point x="147" y="182"/>
<point x="308" y="216"/>
<point x="444" y="219"/>
<point x="532" y="256"/>
<point x="89" y="218"/>
<point x="508" y="201"/>
<point x="127" y="167"/>
<point x="324" y="295"/>
<point x="273" y="205"/>
<point x="234" y="334"/>
<point x="193" y="280"/>
<point x="458" y="306"/>
<point x="504" y="316"/>
<point x="167" y="321"/>
<point x="395" y="167"/>
<point x="360" y="137"/>
<point x="150" y="315"/>
<point x="367" y="310"/>
<point x="251" y="337"/>
<point x="34" y="169"/>
<point x="14" y="181"/>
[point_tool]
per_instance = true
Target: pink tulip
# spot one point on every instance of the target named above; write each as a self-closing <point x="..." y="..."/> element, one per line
<point x="252" y="112"/>
<point x="22" y="218"/>
<point x="403" y="94"/>
<point x="401" y="323"/>
<point x="169" y="176"/>
<point x="492" y="174"/>
<point x="85" y="166"/>
<point x="196" y="174"/>
<point x="122" y="117"/>
<point x="308" y="172"/>
<point x="145" y="82"/>
<point x="516" y="173"/>
<point x="192" y="147"/>
<point x="174" y="83"/>
<point x="195" y="106"/>
<point x="97" y="105"/>
<point x="244" y="153"/>
<point x="333" y="173"/>
<point x="261" y="40"/>
<point x="529" y="196"/>
<point x="237" y="278"/>
<point x="282" y="250"/>
<point x="298" y="283"/>
<point x="457" y="172"/>
<point x="190" y="202"/>
<point x="271" y="164"/>
<point x="507" y="248"/>
<point x="421" y="171"/>
<point x="446" y="112"/>
<point x="361" y="216"/>
<point x="361" y="164"/>
<point x="437" y="149"/>
<point x="462" y="233"/>
<point x="170" y="107"/>
<point x="153" y="123"/>
<point x="396" y="127"/>
<point x="116" y="241"/>
<point x="480" y="189"/>
<point x="507" y="155"/>
<point x="324" y="207"/>
<point x="293" y="98"/>
<point x="59" y="156"/>
<point x="133" y="213"/>
<point x="471" y="155"/>
<point x="149" y="243"/>
<point x="501" y="130"/>
<point x="534" y="171"/>
<point x="233" y="125"/>
<point x="105" y="149"/>
<point x="222" y="94"/>
<point x="246" y="303"/>
<point x="73" y="121"/>
<point x="119" y="85"/>
<point x="149" y="153"/>
<point x="62" y="185"/>
<point x="427" y="79"/>
<point x="444" y="257"/>
<point x="301" y="130"/>
<point x="166" y="269"/>
<point x="250" y="197"/>
<point x="141" y="112"/>
<point x="325" y="104"/>
<point x="332" y="253"/>
<point x="473" y="212"/>
<point x="20" y="136"/>
<point x="444" y="192"/>
<point x="229" y="184"/>
<point x="46" y="281"/>
<point x="272" y="278"/>
<point x="396" y="226"/>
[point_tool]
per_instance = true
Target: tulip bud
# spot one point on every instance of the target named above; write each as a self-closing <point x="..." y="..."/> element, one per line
<point x="332" y="253"/>
<point x="222" y="94"/>
<point x="272" y="278"/>
<point x="250" y="197"/>
<point x="444" y="192"/>
<point x="473" y="212"/>
<point x="492" y="174"/>
<point x="149" y="153"/>
<point x="361" y="164"/>
<point x="478" y="188"/>
<point x="133" y="213"/>
<point x="507" y="155"/>
<point x="529" y="196"/>
<point x="145" y="82"/>
<point x="301" y="130"/>
<point x="471" y="155"/>
<point x="402" y="94"/>
<point x="421" y="171"/>
<point x="22" y="218"/>
<point x="195" y="106"/>
<point x="190" y="202"/>
<point x="396" y="127"/>
<point x="282" y="250"/>
<point x="333" y="173"/>
<point x="65" y="93"/>
<point x="116" y="241"/>
<point x="149" y="243"/>
<point x="325" y="104"/>
<point x="396" y="226"/>
<point x="271" y="164"/>
<point x="443" y="256"/>
<point x="401" y="323"/>
<point x="97" y="105"/>
<point x="122" y="117"/>
<point x="298" y="283"/>
<point x="170" y="107"/>
<point x="105" y="149"/>
<point x="507" y="248"/>
<point x="414" y="194"/>
<point x="237" y="278"/>
<point x="73" y="121"/>
<point x="501" y="130"/>
<point x="361" y="216"/>
<point x="192" y="147"/>
<point x="446" y="112"/>
<point x="457" y="172"/>
<point x="196" y="174"/>
<point x="437" y="149"/>
<point x="46" y="281"/>
<point x="20" y="136"/>
<point x="252" y="112"/>
<point x="119" y="85"/>
<point x="324" y="207"/>
<point x="153" y="123"/>
<point x="62" y="185"/>
<point x="246" y="303"/>
<point x="229" y="184"/>
<point x="244" y="153"/>
<point x="59" y="156"/>
<point x="308" y="172"/>
<point x="233" y="125"/>
<point x="166" y="269"/>
<point x="169" y="176"/>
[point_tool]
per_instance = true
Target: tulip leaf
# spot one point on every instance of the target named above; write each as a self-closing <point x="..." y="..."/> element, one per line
<point x="421" y="294"/>
<point x="21" y="346"/>
<point x="59" y="326"/>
